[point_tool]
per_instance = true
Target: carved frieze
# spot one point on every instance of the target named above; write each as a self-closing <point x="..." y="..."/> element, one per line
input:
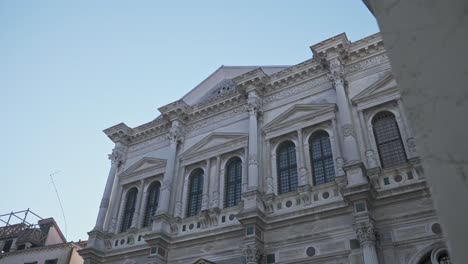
<point x="366" y="63"/>
<point x="365" y="232"/>
<point x="293" y="90"/>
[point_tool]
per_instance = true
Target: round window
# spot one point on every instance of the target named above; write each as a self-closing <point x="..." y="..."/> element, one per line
<point x="310" y="251"/>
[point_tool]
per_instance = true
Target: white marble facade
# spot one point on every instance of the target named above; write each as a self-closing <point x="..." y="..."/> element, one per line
<point x="364" y="212"/>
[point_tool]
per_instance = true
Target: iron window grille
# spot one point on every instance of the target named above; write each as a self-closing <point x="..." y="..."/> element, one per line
<point x="195" y="193"/>
<point x="287" y="167"/>
<point x="321" y="158"/>
<point x="151" y="202"/>
<point x="233" y="182"/>
<point x="129" y="209"/>
<point x="388" y="139"/>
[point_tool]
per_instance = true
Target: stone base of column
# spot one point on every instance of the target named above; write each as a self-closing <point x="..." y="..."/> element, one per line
<point x="162" y="223"/>
<point x="159" y="247"/>
<point x="252" y="200"/>
<point x="98" y="242"/>
<point x="355" y="173"/>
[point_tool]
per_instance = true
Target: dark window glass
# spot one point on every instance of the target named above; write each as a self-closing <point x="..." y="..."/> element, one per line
<point x="129" y="209"/>
<point x="51" y="261"/>
<point x="7" y="245"/>
<point x="287" y="167"/>
<point x="151" y="203"/>
<point x="195" y="193"/>
<point x="321" y="158"/>
<point x="233" y="182"/>
<point x="388" y="139"/>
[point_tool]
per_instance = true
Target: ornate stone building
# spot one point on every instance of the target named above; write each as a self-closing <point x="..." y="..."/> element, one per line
<point x="310" y="163"/>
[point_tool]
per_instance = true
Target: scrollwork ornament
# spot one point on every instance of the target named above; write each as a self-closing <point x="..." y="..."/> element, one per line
<point x="116" y="156"/>
<point x="302" y="176"/>
<point x="411" y="143"/>
<point x="370" y="156"/>
<point x="269" y="185"/>
<point x="339" y="166"/>
<point x="253" y="160"/>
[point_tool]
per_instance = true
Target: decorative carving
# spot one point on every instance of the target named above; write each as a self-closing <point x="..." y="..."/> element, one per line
<point x="253" y="104"/>
<point x="253" y="160"/>
<point x="337" y="72"/>
<point x="215" y="199"/>
<point x="204" y="202"/>
<point x="178" y="209"/>
<point x="371" y="162"/>
<point x="366" y="63"/>
<point x="411" y="143"/>
<point x="339" y="166"/>
<point x="108" y="244"/>
<point x="217" y="118"/>
<point x="307" y="86"/>
<point x="253" y="253"/>
<point x="269" y="185"/>
<point x="365" y="232"/>
<point x="268" y="203"/>
<point x="304" y="194"/>
<point x="348" y="130"/>
<point x="174" y="227"/>
<point x="175" y="133"/>
<point x="116" y="156"/>
<point x="302" y="176"/>
<point x="165" y="185"/>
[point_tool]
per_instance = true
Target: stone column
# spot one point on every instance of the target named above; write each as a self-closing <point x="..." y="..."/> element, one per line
<point x="303" y="179"/>
<point x="370" y="153"/>
<point x="253" y="253"/>
<point x="337" y="77"/>
<point x="215" y="187"/>
<point x="339" y="159"/>
<point x="138" y="205"/>
<point x="253" y="106"/>
<point x="350" y="145"/>
<point x="175" y="135"/>
<point x="366" y="236"/>
<point x="116" y="159"/>
<point x="206" y="186"/>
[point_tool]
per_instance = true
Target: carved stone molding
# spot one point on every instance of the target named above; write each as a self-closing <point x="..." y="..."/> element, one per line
<point x="269" y="185"/>
<point x="411" y="144"/>
<point x="339" y="166"/>
<point x="215" y="199"/>
<point x="302" y="176"/>
<point x="178" y="209"/>
<point x="204" y="203"/>
<point x="253" y="160"/>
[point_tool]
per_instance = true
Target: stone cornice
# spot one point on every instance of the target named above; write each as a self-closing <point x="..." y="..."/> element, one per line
<point x="356" y="56"/>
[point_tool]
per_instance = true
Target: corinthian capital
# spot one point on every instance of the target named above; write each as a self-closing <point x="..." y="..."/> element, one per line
<point x="176" y="132"/>
<point x="253" y="104"/>
<point x="116" y="156"/>
<point x="337" y="72"/>
<point x="365" y="232"/>
<point x="253" y="253"/>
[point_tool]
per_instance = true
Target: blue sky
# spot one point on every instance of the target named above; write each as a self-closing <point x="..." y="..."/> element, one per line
<point x="68" y="70"/>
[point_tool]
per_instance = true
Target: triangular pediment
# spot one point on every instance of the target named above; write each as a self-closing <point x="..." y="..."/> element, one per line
<point x="298" y="113"/>
<point x="144" y="165"/>
<point x="214" y="141"/>
<point x="203" y="261"/>
<point x="387" y="84"/>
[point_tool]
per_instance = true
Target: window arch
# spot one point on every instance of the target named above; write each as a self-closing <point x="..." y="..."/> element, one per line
<point x="388" y="139"/>
<point x="129" y="209"/>
<point x="195" y="192"/>
<point x="321" y="158"/>
<point x="233" y="182"/>
<point x="287" y="167"/>
<point x="151" y="202"/>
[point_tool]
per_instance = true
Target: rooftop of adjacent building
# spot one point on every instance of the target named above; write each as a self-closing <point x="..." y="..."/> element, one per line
<point x="25" y="230"/>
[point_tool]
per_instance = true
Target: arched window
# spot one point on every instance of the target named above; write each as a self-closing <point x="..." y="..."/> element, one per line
<point x="195" y="192"/>
<point x="233" y="182"/>
<point x="388" y="139"/>
<point x="151" y="202"/>
<point x="129" y="209"/>
<point x="287" y="167"/>
<point x="321" y="158"/>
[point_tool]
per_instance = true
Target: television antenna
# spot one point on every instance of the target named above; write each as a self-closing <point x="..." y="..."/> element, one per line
<point x="59" y="200"/>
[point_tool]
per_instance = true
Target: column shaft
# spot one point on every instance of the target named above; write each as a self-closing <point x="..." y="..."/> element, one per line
<point x="253" y="140"/>
<point x="369" y="253"/>
<point x="115" y="158"/>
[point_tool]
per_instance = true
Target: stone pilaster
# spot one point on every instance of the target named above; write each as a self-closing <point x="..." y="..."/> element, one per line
<point x="116" y="158"/>
<point x="253" y="109"/>
<point x="253" y="253"/>
<point x="174" y="136"/>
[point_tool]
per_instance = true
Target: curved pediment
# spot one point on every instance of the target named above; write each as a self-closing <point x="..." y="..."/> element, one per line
<point x="298" y="114"/>
<point x="143" y="166"/>
<point x="214" y="143"/>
